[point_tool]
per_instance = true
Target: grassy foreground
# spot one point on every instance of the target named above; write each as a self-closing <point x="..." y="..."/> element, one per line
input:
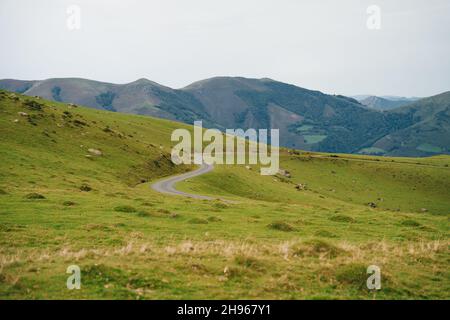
<point x="74" y="190"/>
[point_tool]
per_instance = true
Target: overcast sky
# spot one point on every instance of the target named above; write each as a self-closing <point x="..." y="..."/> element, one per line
<point x="322" y="45"/>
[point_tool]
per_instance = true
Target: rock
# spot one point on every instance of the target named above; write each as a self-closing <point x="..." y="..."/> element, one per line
<point x="423" y="210"/>
<point x="372" y="204"/>
<point x="248" y="167"/>
<point x="85" y="187"/>
<point x="285" y="173"/>
<point x="300" y="186"/>
<point x="16" y="120"/>
<point x="95" y="152"/>
<point x="23" y="114"/>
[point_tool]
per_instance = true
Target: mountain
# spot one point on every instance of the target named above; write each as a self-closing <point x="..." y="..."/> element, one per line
<point x="307" y="119"/>
<point x="430" y="132"/>
<point x="385" y="102"/>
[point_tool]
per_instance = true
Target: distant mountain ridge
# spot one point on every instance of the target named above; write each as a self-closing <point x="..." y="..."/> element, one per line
<point x="307" y="119"/>
<point x="384" y="102"/>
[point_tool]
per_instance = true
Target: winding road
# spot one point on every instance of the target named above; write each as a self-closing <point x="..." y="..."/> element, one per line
<point x="168" y="185"/>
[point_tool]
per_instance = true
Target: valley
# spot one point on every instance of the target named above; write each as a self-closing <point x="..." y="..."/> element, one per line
<point x="75" y="189"/>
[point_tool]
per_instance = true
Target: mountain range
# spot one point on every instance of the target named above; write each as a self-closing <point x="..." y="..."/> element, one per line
<point x="384" y="102"/>
<point x="307" y="119"/>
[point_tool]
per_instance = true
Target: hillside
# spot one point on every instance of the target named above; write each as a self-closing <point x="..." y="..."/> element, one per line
<point x="382" y="104"/>
<point x="430" y="132"/>
<point x="74" y="189"/>
<point x="307" y="119"/>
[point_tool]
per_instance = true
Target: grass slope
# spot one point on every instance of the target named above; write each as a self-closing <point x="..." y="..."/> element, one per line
<point x="271" y="241"/>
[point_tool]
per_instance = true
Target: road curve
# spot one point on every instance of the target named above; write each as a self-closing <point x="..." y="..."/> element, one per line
<point x="168" y="185"/>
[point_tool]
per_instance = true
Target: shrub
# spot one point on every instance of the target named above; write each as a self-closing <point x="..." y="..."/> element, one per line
<point x="128" y="209"/>
<point x="281" y="226"/>
<point x="34" y="196"/>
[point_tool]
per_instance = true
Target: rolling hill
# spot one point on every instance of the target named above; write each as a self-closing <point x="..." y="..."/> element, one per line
<point x="307" y="119"/>
<point x="75" y="189"/>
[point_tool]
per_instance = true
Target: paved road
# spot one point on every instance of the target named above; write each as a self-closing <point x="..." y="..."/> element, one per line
<point x="168" y="185"/>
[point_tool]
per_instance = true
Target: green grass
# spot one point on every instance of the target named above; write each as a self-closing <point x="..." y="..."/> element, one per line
<point x="426" y="147"/>
<point x="310" y="139"/>
<point x="372" y="150"/>
<point x="271" y="241"/>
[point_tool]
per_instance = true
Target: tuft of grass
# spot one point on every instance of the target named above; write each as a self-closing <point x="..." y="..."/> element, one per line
<point x="2" y="192"/>
<point x="281" y="226"/>
<point x="410" y="223"/>
<point x="125" y="208"/>
<point x="325" y="234"/>
<point x="248" y="262"/>
<point x="34" y="195"/>
<point x="316" y="248"/>
<point x="198" y="221"/>
<point x="144" y="214"/>
<point x="213" y="219"/>
<point x="353" y="274"/>
<point x="342" y="218"/>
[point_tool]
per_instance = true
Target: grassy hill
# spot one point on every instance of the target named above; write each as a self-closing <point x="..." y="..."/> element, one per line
<point x="74" y="189"/>
<point x="428" y="135"/>
<point x="307" y="119"/>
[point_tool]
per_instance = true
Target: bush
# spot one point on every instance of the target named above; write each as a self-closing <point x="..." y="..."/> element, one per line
<point x="128" y="209"/>
<point x="281" y="226"/>
<point x="34" y="196"/>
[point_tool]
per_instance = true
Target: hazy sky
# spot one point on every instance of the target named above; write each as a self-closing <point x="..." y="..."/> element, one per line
<point x="322" y="45"/>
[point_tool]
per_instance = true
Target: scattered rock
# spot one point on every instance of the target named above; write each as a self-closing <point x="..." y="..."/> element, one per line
<point x="85" y="187"/>
<point x="22" y="114"/>
<point x="300" y="186"/>
<point x="284" y="173"/>
<point x="16" y="120"/>
<point x="95" y="152"/>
